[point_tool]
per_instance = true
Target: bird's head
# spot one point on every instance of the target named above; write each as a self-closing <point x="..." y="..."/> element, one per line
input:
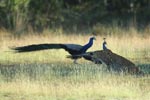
<point x="104" y="39"/>
<point x="93" y="38"/>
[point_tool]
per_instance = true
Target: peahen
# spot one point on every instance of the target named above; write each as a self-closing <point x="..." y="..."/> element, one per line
<point x="73" y="49"/>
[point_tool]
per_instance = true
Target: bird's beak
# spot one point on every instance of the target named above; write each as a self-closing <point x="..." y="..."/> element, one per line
<point x="94" y="38"/>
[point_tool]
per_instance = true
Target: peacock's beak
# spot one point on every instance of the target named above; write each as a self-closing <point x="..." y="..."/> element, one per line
<point x="94" y="38"/>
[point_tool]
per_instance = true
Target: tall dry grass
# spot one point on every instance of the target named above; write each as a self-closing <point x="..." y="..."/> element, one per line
<point x="131" y="47"/>
<point x="108" y="88"/>
<point x="69" y="81"/>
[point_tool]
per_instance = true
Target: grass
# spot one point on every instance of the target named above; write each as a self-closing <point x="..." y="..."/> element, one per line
<point x="49" y="75"/>
<point x="54" y="81"/>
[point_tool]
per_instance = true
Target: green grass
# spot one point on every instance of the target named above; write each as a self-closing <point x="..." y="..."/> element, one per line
<point x="49" y="75"/>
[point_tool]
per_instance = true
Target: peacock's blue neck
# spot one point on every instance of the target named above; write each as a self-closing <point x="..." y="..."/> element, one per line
<point x="87" y="46"/>
<point x="104" y="46"/>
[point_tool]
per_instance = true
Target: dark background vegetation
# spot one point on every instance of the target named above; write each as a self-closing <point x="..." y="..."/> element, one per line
<point x="71" y="15"/>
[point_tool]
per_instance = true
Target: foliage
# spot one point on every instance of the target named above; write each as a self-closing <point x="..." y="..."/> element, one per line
<point x="23" y="15"/>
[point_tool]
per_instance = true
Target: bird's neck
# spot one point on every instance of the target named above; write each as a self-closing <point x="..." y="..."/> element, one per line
<point x="88" y="45"/>
<point x="104" y="46"/>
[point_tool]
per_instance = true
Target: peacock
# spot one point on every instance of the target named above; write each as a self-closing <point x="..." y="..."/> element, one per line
<point x="104" y="44"/>
<point x="73" y="49"/>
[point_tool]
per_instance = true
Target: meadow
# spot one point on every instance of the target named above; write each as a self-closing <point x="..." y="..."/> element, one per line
<point x="49" y="75"/>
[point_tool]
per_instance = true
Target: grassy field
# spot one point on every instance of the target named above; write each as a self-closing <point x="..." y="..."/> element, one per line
<point x="49" y="75"/>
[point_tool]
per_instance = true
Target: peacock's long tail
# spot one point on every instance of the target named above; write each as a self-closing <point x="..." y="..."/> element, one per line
<point x="37" y="47"/>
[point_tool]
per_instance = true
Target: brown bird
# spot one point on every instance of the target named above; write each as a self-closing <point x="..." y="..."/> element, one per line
<point x="113" y="61"/>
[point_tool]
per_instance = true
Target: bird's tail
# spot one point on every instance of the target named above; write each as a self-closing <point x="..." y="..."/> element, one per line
<point x="37" y="47"/>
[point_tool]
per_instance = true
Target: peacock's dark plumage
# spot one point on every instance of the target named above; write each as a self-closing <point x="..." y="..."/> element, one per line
<point x="73" y="49"/>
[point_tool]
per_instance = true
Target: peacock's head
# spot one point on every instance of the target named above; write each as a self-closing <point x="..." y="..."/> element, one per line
<point x="104" y="39"/>
<point x="92" y="38"/>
